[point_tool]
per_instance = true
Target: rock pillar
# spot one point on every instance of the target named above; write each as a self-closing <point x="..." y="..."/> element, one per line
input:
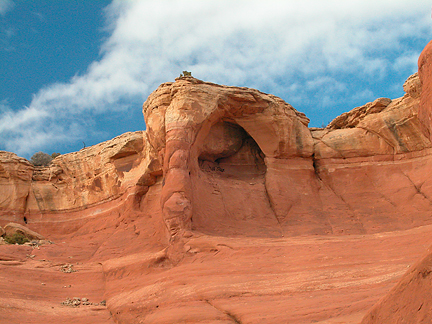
<point x="177" y="189"/>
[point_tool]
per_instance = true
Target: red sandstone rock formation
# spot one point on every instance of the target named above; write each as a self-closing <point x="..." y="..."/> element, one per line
<point x="227" y="209"/>
<point x="13" y="228"/>
<point x="409" y="301"/>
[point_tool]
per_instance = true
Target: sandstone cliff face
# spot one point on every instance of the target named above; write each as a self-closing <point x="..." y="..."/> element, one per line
<point x="214" y="141"/>
<point x="228" y="209"/>
<point x="205" y="143"/>
<point x="409" y="301"/>
<point x="382" y="127"/>
<point x="72" y="182"/>
<point x="15" y="179"/>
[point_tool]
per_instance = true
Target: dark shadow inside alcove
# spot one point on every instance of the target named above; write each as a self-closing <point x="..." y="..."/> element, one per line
<point x="229" y="151"/>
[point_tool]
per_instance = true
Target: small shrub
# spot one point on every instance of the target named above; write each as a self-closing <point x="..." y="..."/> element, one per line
<point x="185" y="74"/>
<point x="54" y="155"/>
<point x="15" y="238"/>
<point x="41" y="159"/>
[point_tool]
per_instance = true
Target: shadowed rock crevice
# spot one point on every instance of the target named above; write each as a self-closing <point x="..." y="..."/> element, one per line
<point x="418" y="188"/>
<point x="231" y="152"/>
<point x="272" y="207"/>
<point x="230" y="315"/>
<point x="230" y="162"/>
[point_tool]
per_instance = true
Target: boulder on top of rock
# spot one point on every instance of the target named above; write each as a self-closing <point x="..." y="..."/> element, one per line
<point x="13" y="228"/>
<point x="412" y="86"/>
<point x="352" y="118"/>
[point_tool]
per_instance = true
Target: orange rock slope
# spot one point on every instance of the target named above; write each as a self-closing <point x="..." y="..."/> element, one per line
<point x="227" y="209"/>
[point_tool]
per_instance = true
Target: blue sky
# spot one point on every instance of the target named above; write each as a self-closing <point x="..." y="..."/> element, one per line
<point x="79" y="71"/>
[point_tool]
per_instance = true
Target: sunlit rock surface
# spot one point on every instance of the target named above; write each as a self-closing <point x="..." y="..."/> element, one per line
<point x="227" y="209"/>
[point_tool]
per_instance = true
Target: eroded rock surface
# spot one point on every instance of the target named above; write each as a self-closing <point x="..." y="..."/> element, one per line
<point x="216" y="138"/>
<point x="352" y="118"/>
<point x="13" y="228"/>
<point x="409" y="301"/>
<point x="227" y="209"/>
<point x="15" y="179"/>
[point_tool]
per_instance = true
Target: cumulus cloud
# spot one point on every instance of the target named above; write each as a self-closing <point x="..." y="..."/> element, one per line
<point x="298" y="50"/>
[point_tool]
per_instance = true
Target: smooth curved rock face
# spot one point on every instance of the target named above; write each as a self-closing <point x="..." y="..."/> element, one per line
<point x="236" y="161"/>
<point x="216" y="141"/>
<point x="13" y="228"/>
<point x="409" y="301"/>
<point x="228" y="208"/>
<point x="223" y="141"/>
<point x="203" y="133"/>
<point x="424" y="73"/>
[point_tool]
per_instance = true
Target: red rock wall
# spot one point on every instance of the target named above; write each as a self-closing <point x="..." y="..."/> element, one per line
<point x="424" y="72"/>
<point x="236" y="161"/>
<point x="227" y="209"/>
<point x="409" y="301"/>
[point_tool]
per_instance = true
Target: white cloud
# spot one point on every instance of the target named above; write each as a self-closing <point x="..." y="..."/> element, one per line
<point x="407" y="61"/>
<point x="271" y="45"/>
<point x="363" y="95"/>
<point x="5" y="6"/>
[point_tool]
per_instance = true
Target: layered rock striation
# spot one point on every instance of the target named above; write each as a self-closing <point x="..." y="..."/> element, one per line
<point x="408" y="301"/>
<point x="205" y="143"/>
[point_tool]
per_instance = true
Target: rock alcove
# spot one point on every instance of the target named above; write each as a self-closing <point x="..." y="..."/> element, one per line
<point x="231" y="162"/>
<point x="229" y="151"/>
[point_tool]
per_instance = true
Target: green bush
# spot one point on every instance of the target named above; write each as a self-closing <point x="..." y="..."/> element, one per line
<point x="41" y="159"/>
<point x="17" y="237"/>
<point x="185" y="74"/>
